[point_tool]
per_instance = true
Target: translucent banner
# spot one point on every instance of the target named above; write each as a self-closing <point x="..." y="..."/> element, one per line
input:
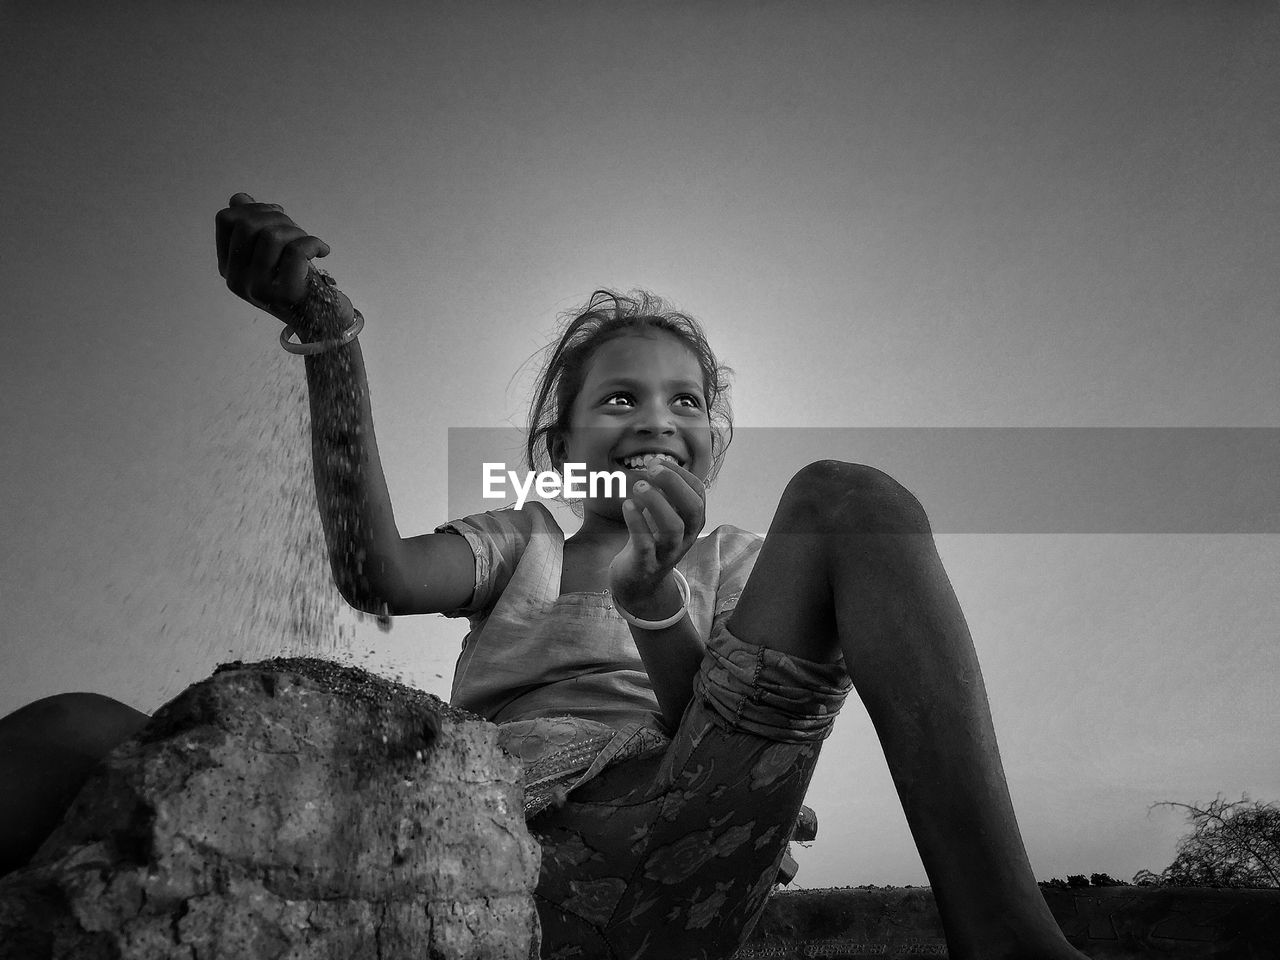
<point x="969" y="479"/>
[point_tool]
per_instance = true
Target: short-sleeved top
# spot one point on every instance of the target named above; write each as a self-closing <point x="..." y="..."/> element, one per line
<point x="532" y="652"/>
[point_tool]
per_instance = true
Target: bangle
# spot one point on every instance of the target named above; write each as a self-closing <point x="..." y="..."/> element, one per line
<point x="321" y="346"/>
<point x="672" y="620"/>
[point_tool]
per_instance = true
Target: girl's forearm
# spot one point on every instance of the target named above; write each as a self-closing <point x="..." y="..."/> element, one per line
<point x="671" y="658"/>
<point x="672" y="655"/>
<point x="351" y="490"/>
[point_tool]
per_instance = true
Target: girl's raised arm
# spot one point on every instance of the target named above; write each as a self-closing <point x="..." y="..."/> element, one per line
<point x="265" y="258"/>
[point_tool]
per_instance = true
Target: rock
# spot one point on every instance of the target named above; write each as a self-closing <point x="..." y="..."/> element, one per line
<point x="288" y="809"/>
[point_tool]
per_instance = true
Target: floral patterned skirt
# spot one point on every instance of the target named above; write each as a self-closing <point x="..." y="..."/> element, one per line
<point x="673" y="855"/>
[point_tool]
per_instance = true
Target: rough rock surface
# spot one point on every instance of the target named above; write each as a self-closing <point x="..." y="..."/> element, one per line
<point x="288" y="809"/>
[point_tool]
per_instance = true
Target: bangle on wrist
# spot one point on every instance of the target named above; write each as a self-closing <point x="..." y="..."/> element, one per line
<point x="322" y="346"/>
<point x="670" y="621"/>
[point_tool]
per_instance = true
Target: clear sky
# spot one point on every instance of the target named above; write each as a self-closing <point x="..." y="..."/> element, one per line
<point x="895" y="215"/>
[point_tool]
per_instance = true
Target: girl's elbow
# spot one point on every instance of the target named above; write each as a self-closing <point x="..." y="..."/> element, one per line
<point x="365" y="602"/>
<point x="368" y="595"/>
<point x="367" y="581"/>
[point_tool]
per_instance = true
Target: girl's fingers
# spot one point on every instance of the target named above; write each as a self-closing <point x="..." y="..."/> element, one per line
<point x="667" y="524"/>
<point x="683" y="491"/>
<point x="696" y="483"/>
<point x="263" y="255"/>
<point x="261" y="276"/>
<point x="244" y="200"/>
<point x="224" y="225"/>
<point x="290" y="281"/>
<point x="277" y="275"/>
<point x="655" y="528"/>
<point x="243" y="211"/>
<point x="298" y="254"/>
<point x="673" y="478"/>
<point x="239" y="254"/>
<point x="638" y="527"/>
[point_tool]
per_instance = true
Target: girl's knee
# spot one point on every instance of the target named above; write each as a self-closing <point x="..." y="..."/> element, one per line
<point x="832" y="496"/>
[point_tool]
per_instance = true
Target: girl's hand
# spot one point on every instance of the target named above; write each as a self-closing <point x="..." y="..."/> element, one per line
<point x="265" y="257"/>
<point x="664" y="520"/>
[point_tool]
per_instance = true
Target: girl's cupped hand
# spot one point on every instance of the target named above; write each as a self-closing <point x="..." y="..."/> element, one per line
<point x="664" y="515"/>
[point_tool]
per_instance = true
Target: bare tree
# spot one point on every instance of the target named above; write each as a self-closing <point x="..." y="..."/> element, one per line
<point x="1234" y="844"/>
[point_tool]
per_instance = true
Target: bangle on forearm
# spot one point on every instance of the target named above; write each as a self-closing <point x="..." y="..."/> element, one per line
<point x="320" y="310"/>
<point x="670" y="621"/>
<point x="322" y="346"/>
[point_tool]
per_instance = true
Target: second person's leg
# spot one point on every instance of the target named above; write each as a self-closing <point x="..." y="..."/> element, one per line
<point x="47" y="750"/>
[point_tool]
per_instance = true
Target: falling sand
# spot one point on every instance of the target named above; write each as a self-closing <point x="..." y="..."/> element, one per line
<point x="252" y="566"/>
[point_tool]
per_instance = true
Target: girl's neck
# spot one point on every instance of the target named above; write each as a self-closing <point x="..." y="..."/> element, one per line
<point x="598" y="531"/>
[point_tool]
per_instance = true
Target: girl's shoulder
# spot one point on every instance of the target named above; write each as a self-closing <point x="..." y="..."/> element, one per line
<point x="735" y="537"/>
<point x="507" y="523"/>
<point x="728" y="546"/>
<point x="722" y="561"/>
<point x="499" y="540"/>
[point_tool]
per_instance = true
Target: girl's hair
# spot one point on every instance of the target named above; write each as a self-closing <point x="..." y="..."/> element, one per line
<point x="607" y="316"/>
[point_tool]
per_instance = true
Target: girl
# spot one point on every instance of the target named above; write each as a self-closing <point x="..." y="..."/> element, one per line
<point x="669" y="694"/>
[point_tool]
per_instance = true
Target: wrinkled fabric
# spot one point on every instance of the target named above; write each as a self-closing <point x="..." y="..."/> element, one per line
<point x="673" y="855"/>
<point x="560" y="758"/>
<point x="770" y="694"/>
<point x="535" y="652"/>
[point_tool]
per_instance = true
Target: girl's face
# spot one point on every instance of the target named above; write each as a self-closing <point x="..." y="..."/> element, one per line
<point x="642" y="394"/>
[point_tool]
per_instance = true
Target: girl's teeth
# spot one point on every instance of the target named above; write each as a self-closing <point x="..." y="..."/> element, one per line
<point x="640" y="462"/>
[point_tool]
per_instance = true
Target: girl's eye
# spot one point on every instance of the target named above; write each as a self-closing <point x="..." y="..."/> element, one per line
<point x="688" y="399"/>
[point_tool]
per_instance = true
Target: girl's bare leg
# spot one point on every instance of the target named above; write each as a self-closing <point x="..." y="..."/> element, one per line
<point x="47" y="751"/>
<point x="849" y="568"/>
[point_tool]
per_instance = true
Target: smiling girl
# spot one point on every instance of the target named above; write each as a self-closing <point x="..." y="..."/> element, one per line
<point x="668" y="692"/>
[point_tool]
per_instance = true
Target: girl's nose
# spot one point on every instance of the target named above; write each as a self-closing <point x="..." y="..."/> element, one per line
<point x="656" y="418"/>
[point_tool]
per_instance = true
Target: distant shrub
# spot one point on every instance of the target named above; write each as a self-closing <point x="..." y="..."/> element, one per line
<point x="1077" y="880"/>
<point x="1233" y="844"/>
